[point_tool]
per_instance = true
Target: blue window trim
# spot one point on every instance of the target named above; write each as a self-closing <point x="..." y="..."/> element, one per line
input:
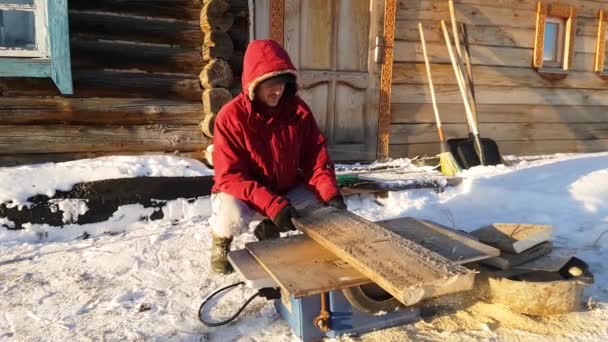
<point x="57" y="66"/>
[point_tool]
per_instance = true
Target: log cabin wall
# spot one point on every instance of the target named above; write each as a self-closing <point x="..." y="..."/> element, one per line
<point x="136" y="66"/>
<point x="526" y="113"/>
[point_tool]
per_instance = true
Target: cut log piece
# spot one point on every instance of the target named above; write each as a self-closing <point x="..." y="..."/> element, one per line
<point x="214" y="99"/>
<point x="508" y="260"/>
<point x="513" y="237"/>
<point x="216" y="74"/>
<point x="207" y="125"/>
<point x="215" y="7"/>
<point x="401" y="267"/>
<point x="217" y="44"/>
<point x="216" y="22"/>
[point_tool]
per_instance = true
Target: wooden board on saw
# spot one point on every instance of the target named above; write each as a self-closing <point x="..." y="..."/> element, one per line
<point x="452" y="244"/>
<point x="302" y="267"/>
<point x="401" y="267"/>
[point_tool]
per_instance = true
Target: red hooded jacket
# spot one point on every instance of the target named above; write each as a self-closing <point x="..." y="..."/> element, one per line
<point x="260" y="152"/>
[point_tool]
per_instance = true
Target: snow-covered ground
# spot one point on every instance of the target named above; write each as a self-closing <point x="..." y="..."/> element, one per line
<point x="146" y="279"/>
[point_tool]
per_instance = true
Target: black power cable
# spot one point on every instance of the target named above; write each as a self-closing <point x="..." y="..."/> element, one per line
<point x="267" y="292"/>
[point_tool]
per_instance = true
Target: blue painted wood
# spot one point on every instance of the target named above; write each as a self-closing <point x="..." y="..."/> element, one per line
<point x="25" y="67"/>
<point x="59" y="39"/>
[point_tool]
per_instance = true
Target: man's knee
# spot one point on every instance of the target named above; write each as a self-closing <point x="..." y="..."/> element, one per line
<point x="229" y="216"/>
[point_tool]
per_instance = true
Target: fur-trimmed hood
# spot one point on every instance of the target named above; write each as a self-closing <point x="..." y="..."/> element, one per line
<point x="264" y="59"/>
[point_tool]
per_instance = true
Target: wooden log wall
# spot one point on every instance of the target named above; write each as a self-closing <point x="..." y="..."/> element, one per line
<point x="524" y="112"/>
<point x="136" y="67"/>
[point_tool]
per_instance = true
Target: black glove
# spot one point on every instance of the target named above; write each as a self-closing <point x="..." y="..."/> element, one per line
<point x="283" y="218"/>
<point x="337" y="202"/>
<point x="266" y="230"/>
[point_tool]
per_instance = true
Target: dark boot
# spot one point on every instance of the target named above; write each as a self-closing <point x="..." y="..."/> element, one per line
<point x="266" y="230"/>
<point x="219" y="255"/>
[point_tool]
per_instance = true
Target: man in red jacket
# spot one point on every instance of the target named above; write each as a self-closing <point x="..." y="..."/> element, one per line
<point x="267" y="149"/>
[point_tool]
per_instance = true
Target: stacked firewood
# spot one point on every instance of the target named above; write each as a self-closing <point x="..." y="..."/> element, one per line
<point x="218" y="48"/>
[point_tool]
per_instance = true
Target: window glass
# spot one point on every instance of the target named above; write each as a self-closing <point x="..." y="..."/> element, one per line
<point x="17" y="29"/>
<point x="17" y="2"/>
<point x="551" y="41"/>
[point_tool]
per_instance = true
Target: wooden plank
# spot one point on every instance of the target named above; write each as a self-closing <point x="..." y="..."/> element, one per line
<point x="402" y="113"/>
<point x="58" y="37"/>
<point x="401" y="267"/>
<point x="513" y="237"/>
<point x="67" y="138"/>
<point x="586" y="34"/>
<point x="515" y="147"/>
<point x="250" y="270"/>
<point x="411" y="52"/>
<point x="455" y="246"/>
<point x="104" y="111"/>
<point x="507" y="261"/>
<point x="25" y="67"/>
<point x="407" y="93"/>
<point x="414" y="73"/>
<point x="426" y="133"/>
<point x="302" y="267"/>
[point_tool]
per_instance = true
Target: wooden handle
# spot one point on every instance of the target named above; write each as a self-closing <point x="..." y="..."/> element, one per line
<point x="459" y="78"/>
<point x="432" y="88"/>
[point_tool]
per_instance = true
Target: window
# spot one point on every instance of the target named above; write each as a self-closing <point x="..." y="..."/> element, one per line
<point x="34" y="41"/>
<point x="553" y="50"/>
<point x="600" y="50"/>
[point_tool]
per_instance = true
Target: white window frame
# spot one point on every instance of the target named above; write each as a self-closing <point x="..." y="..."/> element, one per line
<point x="40" y="14"/>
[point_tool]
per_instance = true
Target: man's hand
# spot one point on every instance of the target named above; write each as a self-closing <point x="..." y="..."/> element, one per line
<point x="337" y="202"/>
<point x="283" y="218"/>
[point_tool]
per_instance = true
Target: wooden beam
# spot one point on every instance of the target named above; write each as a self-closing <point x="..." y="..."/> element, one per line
<point x="175" y="9"/>
<point x="97" y="111"/>
<point x="126" y="55"/>
<point x="66" y="138"/>
<point x="277" y="21"/>
<point x="8" y="160"/>
<point x="404" y="269"/>
<point x="108" y="83"/>
<point x="95" y="25"/>
<point x="386" y="78"/>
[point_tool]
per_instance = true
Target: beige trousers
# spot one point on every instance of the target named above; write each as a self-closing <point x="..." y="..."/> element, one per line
<point x="231" y="216"/>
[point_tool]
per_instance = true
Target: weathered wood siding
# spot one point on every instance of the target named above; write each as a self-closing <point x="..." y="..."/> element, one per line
<point x="135" y="66"/>
<point x="525" y="113"/>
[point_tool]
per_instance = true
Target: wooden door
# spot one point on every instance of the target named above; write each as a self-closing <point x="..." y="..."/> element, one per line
<point x="332" y="43"/>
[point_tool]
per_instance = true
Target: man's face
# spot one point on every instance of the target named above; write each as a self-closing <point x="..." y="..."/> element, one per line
<point x="270" y="91"/>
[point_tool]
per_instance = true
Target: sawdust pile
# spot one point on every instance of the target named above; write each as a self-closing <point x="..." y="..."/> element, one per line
<point x="483" y="321"/>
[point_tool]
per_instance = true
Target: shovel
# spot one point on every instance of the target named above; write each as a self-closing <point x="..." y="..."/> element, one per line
<point x="471" y="151"/>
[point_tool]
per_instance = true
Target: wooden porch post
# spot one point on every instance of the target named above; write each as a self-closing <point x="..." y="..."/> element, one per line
<point x="386" y="78"/>
<point x="277" y="20"/>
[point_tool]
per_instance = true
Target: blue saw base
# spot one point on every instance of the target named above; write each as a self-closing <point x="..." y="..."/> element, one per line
<point x="345" y="319"/>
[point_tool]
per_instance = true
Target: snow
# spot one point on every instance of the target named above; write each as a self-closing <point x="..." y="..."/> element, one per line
<point x="136" y="279"/>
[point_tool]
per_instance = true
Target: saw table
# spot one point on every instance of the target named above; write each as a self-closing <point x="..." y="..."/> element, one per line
<point x="324" y="296"/>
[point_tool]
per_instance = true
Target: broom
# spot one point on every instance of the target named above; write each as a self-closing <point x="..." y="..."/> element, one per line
<point x="447" y="162"/>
